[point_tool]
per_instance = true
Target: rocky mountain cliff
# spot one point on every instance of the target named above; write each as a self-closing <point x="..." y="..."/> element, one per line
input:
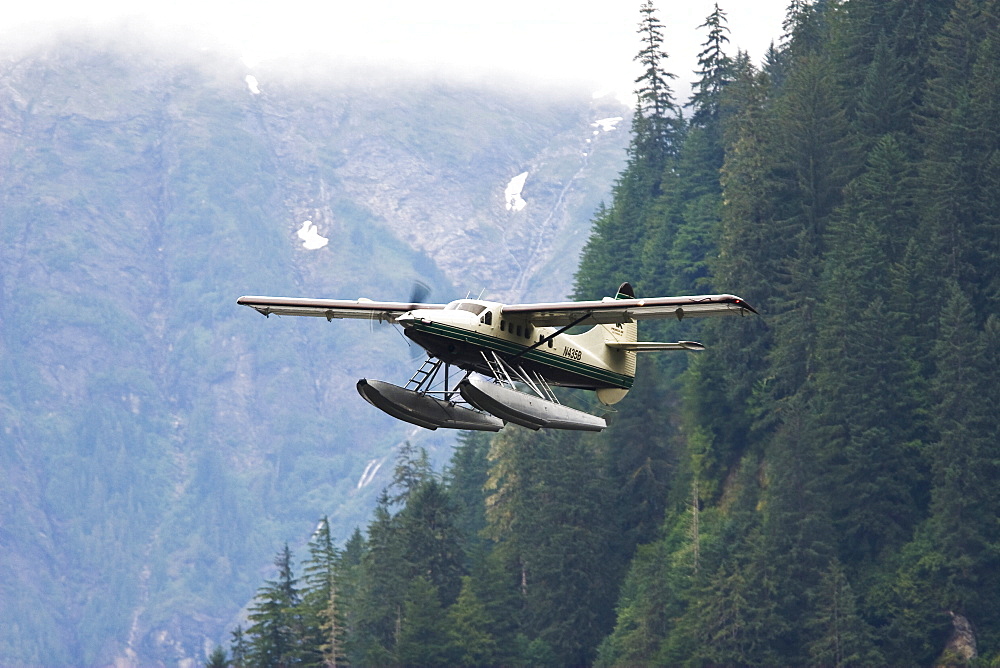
<point x="159" y="443"/>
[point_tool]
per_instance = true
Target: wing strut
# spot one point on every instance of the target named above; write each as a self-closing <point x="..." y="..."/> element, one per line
<point x="553" y="334"/>
<point x="542" y="409"/>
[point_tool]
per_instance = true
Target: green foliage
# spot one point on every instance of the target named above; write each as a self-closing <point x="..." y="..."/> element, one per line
<point x="845" y="214"/>
<point x="423" y="637"/>
<point x="466" y="482"/>
<point x="275" y="629"/>
<point x="323" y="604"/>
<point x="840" y="636"/>
<point x="218" y="658"/>
<point x="471" y="629"/>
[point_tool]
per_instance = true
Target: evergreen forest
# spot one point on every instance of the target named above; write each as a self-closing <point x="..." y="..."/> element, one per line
<point x="820" y="486"/>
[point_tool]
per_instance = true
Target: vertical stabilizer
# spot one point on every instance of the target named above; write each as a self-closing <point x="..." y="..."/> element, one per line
<point x="627" y="332"/>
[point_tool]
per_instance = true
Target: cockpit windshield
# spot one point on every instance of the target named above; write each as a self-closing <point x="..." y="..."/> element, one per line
<point x="465" y="306"/>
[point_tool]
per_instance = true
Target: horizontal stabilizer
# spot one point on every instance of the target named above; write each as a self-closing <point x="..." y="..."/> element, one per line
<point x="653" y="346"/>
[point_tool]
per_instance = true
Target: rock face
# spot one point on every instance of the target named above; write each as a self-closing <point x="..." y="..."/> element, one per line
<point x="435" y="164"/>
<point x="961" y="645"/>
<point x="159" y="443"/>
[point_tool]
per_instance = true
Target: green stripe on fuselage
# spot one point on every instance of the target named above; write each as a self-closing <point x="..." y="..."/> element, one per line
<point x="536" y="355"/>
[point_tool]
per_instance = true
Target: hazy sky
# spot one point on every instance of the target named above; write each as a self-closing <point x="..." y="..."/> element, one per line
<point x="588" y="41"/>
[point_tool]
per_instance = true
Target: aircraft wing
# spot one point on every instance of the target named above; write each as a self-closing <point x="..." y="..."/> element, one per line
<point x="617" y="311"/>
<point x="332" y="308"/>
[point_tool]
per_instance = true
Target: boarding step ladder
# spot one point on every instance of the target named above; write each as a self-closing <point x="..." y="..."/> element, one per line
<point x="422" y="378"/>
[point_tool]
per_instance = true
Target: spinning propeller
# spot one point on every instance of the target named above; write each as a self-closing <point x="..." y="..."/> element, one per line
<point x="419" y="293"/>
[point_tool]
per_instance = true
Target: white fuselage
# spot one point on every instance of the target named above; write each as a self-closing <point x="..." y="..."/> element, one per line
<point x="465" y="329"/>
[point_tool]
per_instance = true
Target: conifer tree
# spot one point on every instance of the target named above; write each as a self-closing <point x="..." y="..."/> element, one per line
<point x="614" y="250"/>
<point x="238" y="647"/>
<point x="840" y="637"/>
<point x="424" y="634"/>
<point x="322" y="606"/>
<point x="412" y="469"/>
<point x="884" y="103"/>
<point x="803" y="27"/>
<point x="431" y="542"/>
<point x="885" y="47"/>
<point x="965" y="500"/>
<point x="985" y="103"/>
<point x="378" y="602"/>
<point x="814" y="164"/>
<point x="549" y="512"/>
<point x="217" y="659"/>
<point x="715" y="72"/>
<point x="958" y="155"/>
<point x="866" y="384"/>
<point x="275" y="628"/>
<point x="683" y="225"/>
<point x="750" y="255"/>
<point x="642" y="458"/>
<point x="471" y="630"/>
<point x="465" y="480"/>
<point x="797" y="530"/>
<point x="644" y="611"/>
<point x="726" y="620"/>
<point x="655" y="120"/>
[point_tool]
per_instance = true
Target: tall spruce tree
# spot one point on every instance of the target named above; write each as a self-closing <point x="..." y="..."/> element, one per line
<point x="682" y="232"/>
<point x="961" y="144"/>
<point x="431" y="541"/>
<point x="550" y="513"/>
<point x="465" y="480"/>
<point x="274" y="635"/>
<point x="613" y="252"/>
<point x="865" y="390"/>
<point x="839" y="636"/>
<point x="378" y="602"/>
<point x="424" y="636"/>
<point x="965" y="501"/>
<point x="322" y="606"/>
<point x="656" y="116"/>
<point x="471" y="626"/>
<point x="715" y="72"/>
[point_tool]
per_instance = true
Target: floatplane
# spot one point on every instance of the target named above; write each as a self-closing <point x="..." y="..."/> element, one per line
<point x="509" y="356"/>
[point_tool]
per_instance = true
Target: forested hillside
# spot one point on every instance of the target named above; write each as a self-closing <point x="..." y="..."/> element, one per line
<point x="820" y="487"/>
<point x="156" y="439"/>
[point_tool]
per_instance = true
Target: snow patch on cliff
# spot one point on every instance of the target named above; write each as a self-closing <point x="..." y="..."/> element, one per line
<point x="311" y="240"/>
<point x="606" y="124"/>
<point x="512" y="195"/>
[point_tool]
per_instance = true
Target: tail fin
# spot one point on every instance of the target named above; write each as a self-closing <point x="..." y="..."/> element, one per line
<point x="627" y="332"/>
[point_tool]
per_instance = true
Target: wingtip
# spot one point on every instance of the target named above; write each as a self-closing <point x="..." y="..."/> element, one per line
<point x="742" y="304"/>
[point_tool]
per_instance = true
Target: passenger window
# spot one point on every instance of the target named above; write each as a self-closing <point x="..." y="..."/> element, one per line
<point x="527" y="331"/>
<point x="519" y="330"/>
<point x="550" y="343"/>
<point x="503" y="325"/>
